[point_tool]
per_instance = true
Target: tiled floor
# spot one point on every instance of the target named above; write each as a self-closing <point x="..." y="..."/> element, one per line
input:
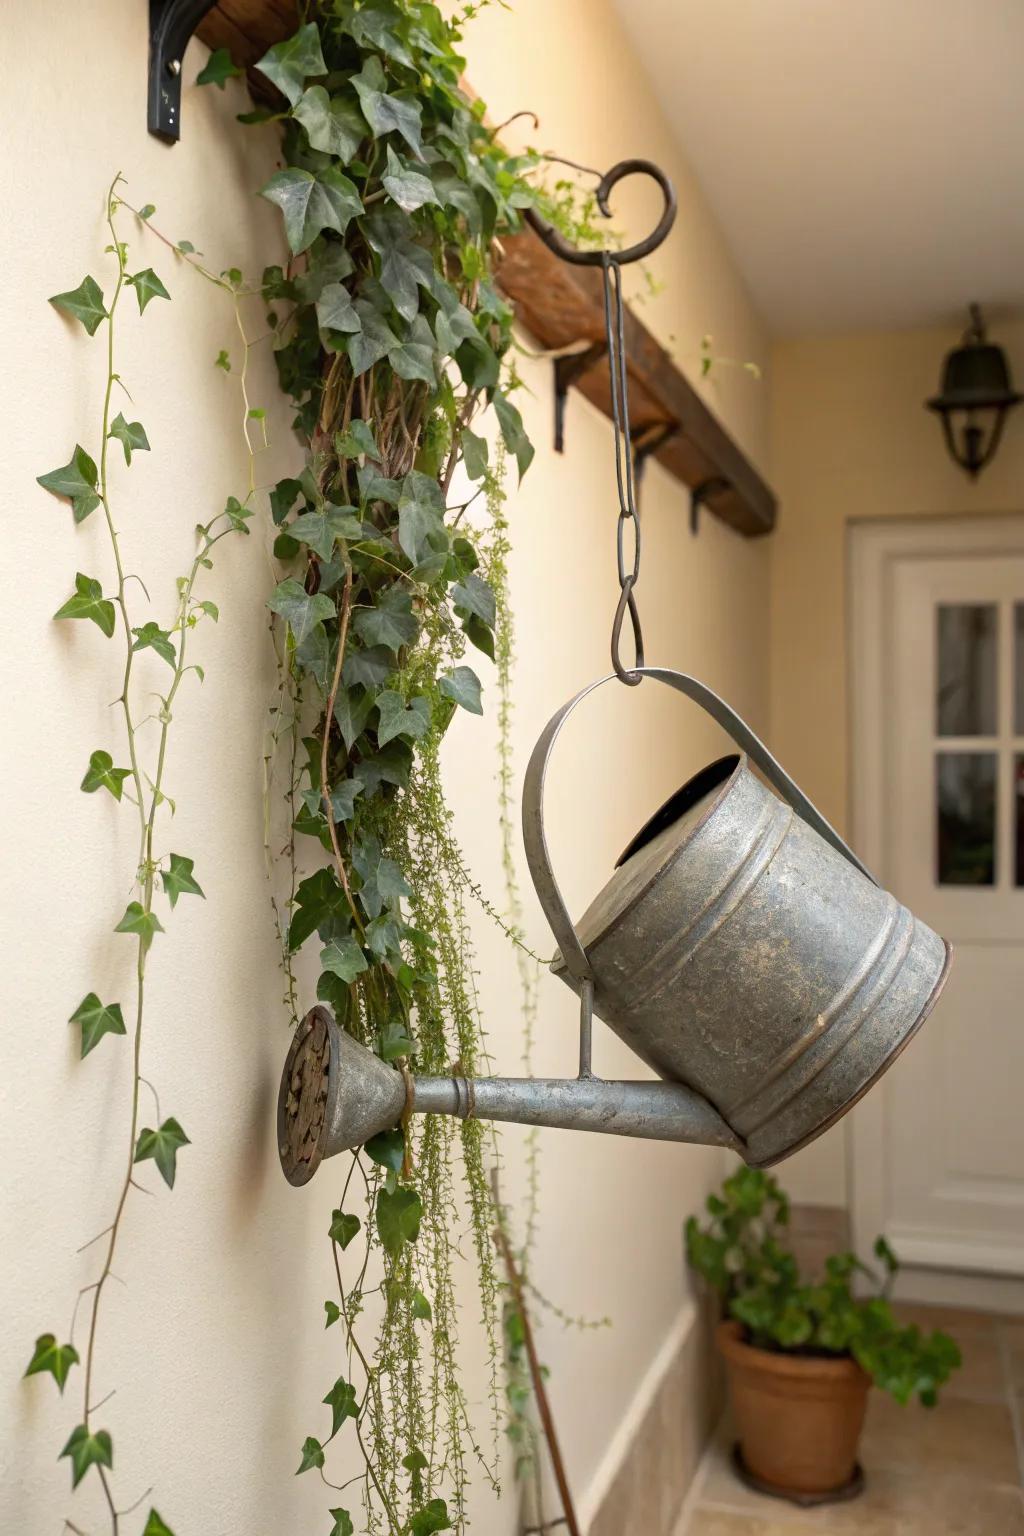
<point x="952" y="1471"/>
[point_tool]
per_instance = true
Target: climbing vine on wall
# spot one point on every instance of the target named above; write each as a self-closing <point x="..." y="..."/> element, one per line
<point x="130" y="765"/>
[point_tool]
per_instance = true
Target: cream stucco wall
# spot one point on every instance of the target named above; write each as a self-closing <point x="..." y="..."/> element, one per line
<point x="850" y="439"/>
<point x="214" y="1343"/>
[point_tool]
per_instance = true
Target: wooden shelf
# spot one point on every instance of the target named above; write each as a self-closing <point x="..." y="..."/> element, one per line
<point x="562" y="307"/>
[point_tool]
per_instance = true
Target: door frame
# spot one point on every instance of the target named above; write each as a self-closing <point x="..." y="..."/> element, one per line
<point x="873" y="547"/>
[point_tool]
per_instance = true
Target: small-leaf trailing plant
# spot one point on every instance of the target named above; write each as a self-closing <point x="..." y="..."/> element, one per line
<point x="742" y="1253"/>
<point x="392" y="341"/>
<point x="129" y="765"/>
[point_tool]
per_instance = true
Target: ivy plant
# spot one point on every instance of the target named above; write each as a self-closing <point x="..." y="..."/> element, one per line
<point x="392" y="341"/>
<point x="131" y="766"/>
<point x="741" y="1251"/>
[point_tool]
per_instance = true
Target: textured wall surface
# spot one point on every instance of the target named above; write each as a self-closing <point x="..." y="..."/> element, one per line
<point x="214" y="1341"/>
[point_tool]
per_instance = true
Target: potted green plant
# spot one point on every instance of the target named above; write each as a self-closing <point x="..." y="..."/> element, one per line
<point x="802" y="1354"/>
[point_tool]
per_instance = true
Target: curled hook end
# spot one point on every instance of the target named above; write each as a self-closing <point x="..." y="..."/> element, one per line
<point x="561" y="247"/>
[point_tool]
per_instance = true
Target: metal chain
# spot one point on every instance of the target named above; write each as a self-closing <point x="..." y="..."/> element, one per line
<point x="611" y="264"/>
<point x="614" y="321"/>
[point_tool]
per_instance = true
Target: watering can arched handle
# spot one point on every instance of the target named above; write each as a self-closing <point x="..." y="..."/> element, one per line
<point x="535" y="838"/>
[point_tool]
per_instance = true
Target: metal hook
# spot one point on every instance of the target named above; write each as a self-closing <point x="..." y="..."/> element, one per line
<point x="561" y="247"/>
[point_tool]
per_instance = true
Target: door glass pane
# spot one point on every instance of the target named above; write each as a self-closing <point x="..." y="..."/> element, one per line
<point x="1018" y="784"/>
<point x="966" y="700"/>
<point x="966" y="790"/>
<point x="1018" y="671"/>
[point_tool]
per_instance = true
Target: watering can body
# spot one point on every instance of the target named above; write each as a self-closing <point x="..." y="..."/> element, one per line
<point x="740" y="948"/>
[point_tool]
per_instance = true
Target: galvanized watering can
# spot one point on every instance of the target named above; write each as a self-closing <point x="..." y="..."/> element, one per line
<point x="740" y="949"/>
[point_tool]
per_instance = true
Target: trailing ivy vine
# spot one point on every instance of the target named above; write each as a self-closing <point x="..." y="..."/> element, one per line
<point x="87" y="483"/>
<point x="392" y="340"/>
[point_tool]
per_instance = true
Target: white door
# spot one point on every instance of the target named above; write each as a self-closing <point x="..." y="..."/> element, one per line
<point x="939" y="1158"/>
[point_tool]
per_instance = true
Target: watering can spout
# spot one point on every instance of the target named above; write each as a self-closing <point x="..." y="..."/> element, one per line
<point x="336" y="1094"/>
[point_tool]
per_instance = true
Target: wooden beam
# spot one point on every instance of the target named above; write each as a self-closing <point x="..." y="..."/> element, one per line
<point x="562" y="307"/>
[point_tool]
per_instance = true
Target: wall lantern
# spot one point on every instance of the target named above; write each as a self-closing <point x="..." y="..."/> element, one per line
<point x="977" y="392"/>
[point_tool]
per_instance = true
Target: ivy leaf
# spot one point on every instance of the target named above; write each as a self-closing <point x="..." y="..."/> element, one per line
<point x="97" y="1019"/>
<point x="53" y="1357"/>
<point x="332" y="124"/>
<point x="85" y="303"/>
<point x="474" y="454"/>
<point x="463" y="686"/>
<point x="322" y="530"/>
<point x="394" y="1041"/>
<point x="282" y="499"/>
<point x="512" y="430"/>
<point x="390" y="622"/>
<point x="335" y="310"/>
<point x="433" y="1518"/>
<point x="342" y="1522"/>
<point x="357" y="438"/>
<point x="87" y="1450"/>
<point x="420" y="515"/>
<point x="405" y="267"/>
<point x="333" y="1312"/>
<point x="76" y="481"/>
<point x="130" y="434"/>
<point x="343" y="958"/>
<point x="311" y="203"/>
<point x="373" y="486"/>
<point x="398" y="1220"/>
<point x="218" y="68"/>
<point x="387" y="1149"/>
<point x="152" y="638"/>
<point x="351" y="713"/>
<point x="384" y="113"/>
<point x="101" y="774"/>
<point x="154" y="1525"/>
<point x="222" y="360"/>
<point x="343" y="1228"/>
<point x="287" y="64"/>
<point x="162" y="1146"/>
<point x="341" y="1400"/>
<point x="413" y="358"/>
<point x="312" y="1455"/>
<point x="137" y="920"/>
<point x="320" y="903"/>
<point x="89" y="603"/>
<point x="409" y="189"/>
<point x="390" y="881"/>
<point x="301" y="611"/>
<point x="400" y="719"/>
<point x="415" y="1461"/>
<point x="179" y="880"/>
<point x="374" y="339"/>
<point x="368" y="667"/>
<point x="147" y="286"/>
<point x="343" y="798"/>
<point x="473" y="596"/>
<point x="480" y="634"/>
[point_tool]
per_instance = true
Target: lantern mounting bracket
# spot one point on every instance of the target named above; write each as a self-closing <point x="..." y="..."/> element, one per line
<point x="171" y="25"/>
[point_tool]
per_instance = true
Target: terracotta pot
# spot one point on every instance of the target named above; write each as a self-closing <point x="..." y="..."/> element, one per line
<point x="798" y="1419"/>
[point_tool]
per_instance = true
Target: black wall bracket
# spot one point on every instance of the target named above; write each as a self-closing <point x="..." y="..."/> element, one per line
<point x="713" y="486"/>
<point x="171" y="24"/>
<point x="568" y="369"/>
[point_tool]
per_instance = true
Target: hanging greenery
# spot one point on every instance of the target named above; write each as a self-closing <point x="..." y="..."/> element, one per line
<point x="392" y="340"/>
